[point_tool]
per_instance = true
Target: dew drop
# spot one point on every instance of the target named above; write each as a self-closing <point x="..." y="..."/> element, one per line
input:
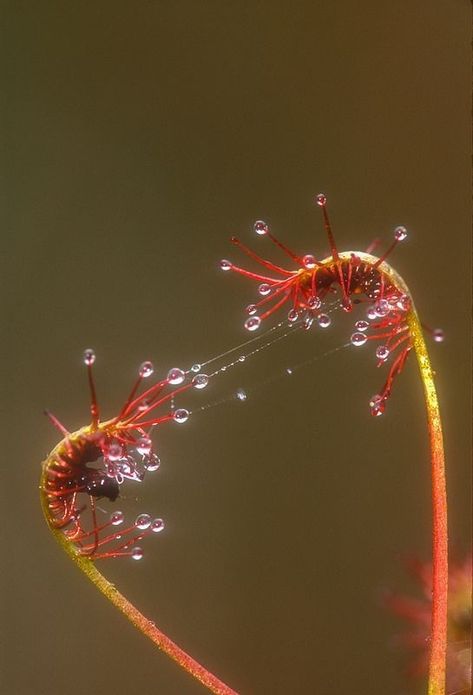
<point x="400" y="233"/>
<point x="157" y="525"/>
<point x="324" y="320"/>
<point x="181" y="415"/>
<point x="114" y="452"/>
<point x="253" y="323"/>
<point x="242" y="358"/>
<point x="176" y="376"/>
<point x="314" y="303"/>
<point x="372" y="313"/>
<point x="438" y="335"/>
<point x="89" y="357"/>
<point x="264" y="289"/>
<point x="200" y="381"/>
<point x="146" y="369"/>
<point x="144" y="405"/>
<point x="117" y="518"/>
<point x="382" y="352"/>
<point x="225" y="265"/>
<point x="143" y="446"/>
<point x="308" y="321"/>
<point x="321" y="199"/>
<point x="241" y="395"/>
<point x="260" y="227"/>
<point x="293" y="315"/>
<point x="404" y="303"/>
<point x="196" y="368"/>
<point x="152" y="463"/>
<point x="289" y="371"/>
<point x="381" y="307"/>
<point x="362" y="325"/>
<point x="309" y="261"/>
<point x="137" y="553"/>
<point x="377" y="405"/>
<point x="143" y="521"/>
<point x="358" y="339"/>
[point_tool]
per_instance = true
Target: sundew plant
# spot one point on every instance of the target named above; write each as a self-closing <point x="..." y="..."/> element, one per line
<point x="93" y="462"/>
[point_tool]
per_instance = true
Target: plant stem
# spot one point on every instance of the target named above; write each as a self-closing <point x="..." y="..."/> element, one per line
<point x="145" y="626"/>
<point x="438" y="646"/>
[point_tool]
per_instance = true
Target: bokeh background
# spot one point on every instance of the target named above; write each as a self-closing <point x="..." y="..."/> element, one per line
<point x="139" y="137"/>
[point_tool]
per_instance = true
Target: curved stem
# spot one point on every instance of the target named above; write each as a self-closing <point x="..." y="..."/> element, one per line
<point x="438" y="645"/>
<point x="145" y="626"/>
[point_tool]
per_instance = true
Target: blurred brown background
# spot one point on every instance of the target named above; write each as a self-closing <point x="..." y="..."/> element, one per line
<point x="139" y="137"/>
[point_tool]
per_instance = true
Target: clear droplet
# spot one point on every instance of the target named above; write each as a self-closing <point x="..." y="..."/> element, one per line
<point x="358" y="339"/>
<point x="362" y="325"/>
<point x="176" y="376"/>
<point x="152" y="463"/>
<point x="225" y="265"/>
<point x="143" y="446"/>
<point x="114" y="452"/>
<point x="242" y="358"/>
<point x="89" y="357"/>
<point x="371" y="313"/>
<point x="381" y="307"/>
<point x="252" y="323"/>
<point x="144" y="405"/>
<point x="200" y="381"/>
<point x="382" y="352"/>
<point x="293" y="315"/>
<point x="261" y="227"/>
<point x="324" y="320"/>
<point x="289" y="371"/>
<point x="117" y="518"/>
<point x="404" y="303"/>
<point x="321" y="199"/>
<point x="251" y="309"/>
<point x="143" y="521"/>
<point x="196" y="368"/>
<point x="377" y="405"/>
<point x="309" y="261"/>
<point x="241" y="395"/>
<point x="400" y="233"/>
<point x="438" y="335"/>
<point x="307" y="322"/>
<point x="181" y="415"/>
<point x="314" y="303"/>
<point x="157" y="525"/>
<point x="264" y="289"/>
<point x="137" y="553"/>
<point x="146" y="369"/>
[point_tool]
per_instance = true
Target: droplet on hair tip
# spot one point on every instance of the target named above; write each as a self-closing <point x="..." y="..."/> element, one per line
<point x="264" y="289"/>
<point x="309" y="261"/>
<point x="117" y="518"/>
<point x="438" y="335"/>
<point x="157" y="525"/>
<point x="146" y="369"/>
<point x="176" y="376"/>
<point x="200" y="381"/>
<point x="143" y="521"/>
<point x="143" y="446"/>
<point x="89" y="357"/>
<point x="181" y="415"/>
<point x="358" y="339"/>
<point x="253" y="323"/>
<point x="400" y="233"/>
<point x="324" y="320"/>
<point x="382" y="352"/>
<point x="225" y="265"/>
<point x="321" y="199"/>
<point x="260" y="227"/>
<point x="137" y="553"/>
